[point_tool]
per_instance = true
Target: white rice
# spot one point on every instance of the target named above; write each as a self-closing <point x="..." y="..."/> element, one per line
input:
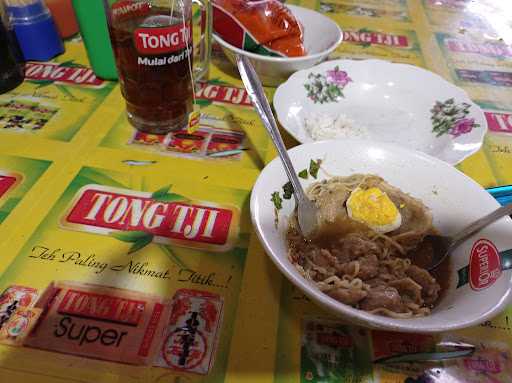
<point x="326" y="127"/>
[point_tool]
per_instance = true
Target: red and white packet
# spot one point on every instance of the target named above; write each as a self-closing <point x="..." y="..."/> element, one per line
<point x="191" y="337"/>
<point x="14" y="298"/>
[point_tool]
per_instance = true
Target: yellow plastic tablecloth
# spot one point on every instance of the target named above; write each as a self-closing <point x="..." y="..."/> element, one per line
<point x="83" y="141"/>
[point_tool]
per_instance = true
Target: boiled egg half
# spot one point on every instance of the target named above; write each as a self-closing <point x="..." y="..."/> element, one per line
<point x="374" y="208"/>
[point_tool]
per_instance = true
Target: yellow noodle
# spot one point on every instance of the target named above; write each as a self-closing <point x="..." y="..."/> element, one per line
<point x="331" y="279"/>
<point x="413" y="306"/>
<point x="356" y="283"/>
<point x="422" y="311"/>
<point x="391" y="241"/>
<point x="391" y="268"/>
<point x="324" y="287"/>
<point x="392" y="314"/>
<point x="356" y="266"/>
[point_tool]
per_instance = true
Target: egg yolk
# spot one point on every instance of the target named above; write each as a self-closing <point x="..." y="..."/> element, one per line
<point x="372" y="206"/>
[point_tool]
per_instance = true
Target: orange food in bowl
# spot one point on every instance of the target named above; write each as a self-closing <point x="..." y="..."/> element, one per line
<point x="264" y="27"/>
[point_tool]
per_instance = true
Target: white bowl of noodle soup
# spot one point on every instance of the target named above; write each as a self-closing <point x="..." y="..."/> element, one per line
<point x="473" y="294"/>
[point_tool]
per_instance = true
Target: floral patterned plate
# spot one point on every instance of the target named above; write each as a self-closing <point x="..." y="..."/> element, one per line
<point x="396" y="103"/>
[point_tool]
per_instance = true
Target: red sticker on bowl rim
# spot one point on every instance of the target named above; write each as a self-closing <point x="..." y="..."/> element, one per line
<point x="484" y="265"/>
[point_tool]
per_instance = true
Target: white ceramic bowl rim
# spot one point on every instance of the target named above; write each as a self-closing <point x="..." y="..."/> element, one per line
<point x="256" y="56"/>
<point x="404" y="325"/>
<point x="454" y="152"/>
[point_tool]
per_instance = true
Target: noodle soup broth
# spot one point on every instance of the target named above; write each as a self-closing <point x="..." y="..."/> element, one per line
<point x="363" y="260"/>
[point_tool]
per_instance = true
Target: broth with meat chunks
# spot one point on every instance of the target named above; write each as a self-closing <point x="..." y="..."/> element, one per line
<point x="370" y="251"/>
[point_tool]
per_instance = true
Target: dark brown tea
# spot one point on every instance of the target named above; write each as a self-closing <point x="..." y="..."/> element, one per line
<point x="152" y="51"/>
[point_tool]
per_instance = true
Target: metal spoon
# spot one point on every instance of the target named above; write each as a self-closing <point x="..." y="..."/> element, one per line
<point x="443" y="246"/>
<point x="306" y="210"/>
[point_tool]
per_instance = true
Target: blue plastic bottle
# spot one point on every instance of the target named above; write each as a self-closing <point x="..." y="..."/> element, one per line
<point x="35" y="31"/>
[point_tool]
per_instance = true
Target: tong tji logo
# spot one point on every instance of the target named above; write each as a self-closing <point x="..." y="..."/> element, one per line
<point x="367" y="38"/>
<point x="485" y="49"/>
<point x="141" y="218"/>
<point x="65" y="73"/>
<point x="499" y="121"/>
<point x="485" y="265"/>
<point x="8" y="181"/>
<point x="215" y="91"/>
<point x="102" y="307"/>
<point x="159" y="40"/>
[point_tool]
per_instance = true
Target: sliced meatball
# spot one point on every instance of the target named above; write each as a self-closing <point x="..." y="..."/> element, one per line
<point x="374" y="282"/>
<point x="348" y="268"/>
<point x="353" y="247"/>
<point x="349" y="297"/>
<point x="408" y="288"/>
<point x="322" y="258"/>
<point x="368" y="267"/>
<point x="342" y="256"/>
<point x="430" y="288"/>
<point x="382" y="297"/>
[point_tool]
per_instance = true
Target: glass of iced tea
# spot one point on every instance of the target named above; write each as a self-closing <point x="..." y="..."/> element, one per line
<point x="152" y="42"/>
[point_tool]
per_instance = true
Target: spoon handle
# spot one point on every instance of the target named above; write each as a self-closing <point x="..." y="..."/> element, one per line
<point x="480" y="224"/>
<point x="259" y="99"/>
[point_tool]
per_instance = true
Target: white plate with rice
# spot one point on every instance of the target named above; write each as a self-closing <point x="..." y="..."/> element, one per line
<point x="381" y="101"/>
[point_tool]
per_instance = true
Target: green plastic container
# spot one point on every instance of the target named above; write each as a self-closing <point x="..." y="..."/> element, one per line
<point x="91" y="18"/>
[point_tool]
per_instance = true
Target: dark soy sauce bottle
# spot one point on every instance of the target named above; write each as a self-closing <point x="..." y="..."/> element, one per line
<point x="11" y="66"/>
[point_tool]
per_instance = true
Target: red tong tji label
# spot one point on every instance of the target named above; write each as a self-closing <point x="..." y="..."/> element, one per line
<point x="160" y="40"/>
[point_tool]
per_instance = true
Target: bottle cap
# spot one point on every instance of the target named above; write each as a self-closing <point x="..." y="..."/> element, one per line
<point x="35" y="31"/>
<point x="27" y="14"/>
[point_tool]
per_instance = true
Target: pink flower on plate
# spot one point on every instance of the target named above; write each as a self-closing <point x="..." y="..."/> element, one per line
<point x="462" y="126"/>
<point x="338" y="77"/>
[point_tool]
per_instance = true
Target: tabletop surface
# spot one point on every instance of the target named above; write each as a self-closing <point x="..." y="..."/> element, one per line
<point x="70" y="147"/>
